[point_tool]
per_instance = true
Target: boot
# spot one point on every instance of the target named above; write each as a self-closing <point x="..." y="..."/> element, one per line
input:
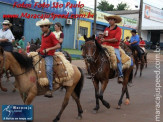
<point x="120" y="79"/>
<point x="49" y="94"/>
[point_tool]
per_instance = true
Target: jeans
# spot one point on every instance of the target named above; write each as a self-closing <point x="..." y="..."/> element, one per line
<point x="49" y="70"/>
<point x="137" y="48"/>
<point x="119" y="64"/>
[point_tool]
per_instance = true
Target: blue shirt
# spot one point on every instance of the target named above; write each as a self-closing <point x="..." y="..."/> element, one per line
<point x="135" y="38"/>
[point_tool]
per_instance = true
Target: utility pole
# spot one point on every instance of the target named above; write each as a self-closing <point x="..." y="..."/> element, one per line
<point x="94" y="26"/>
<point x="140" y="17"/>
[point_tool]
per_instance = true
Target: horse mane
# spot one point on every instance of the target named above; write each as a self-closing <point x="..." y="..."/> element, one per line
<point x="24" y="61"/>
<point x="101" y="49"/>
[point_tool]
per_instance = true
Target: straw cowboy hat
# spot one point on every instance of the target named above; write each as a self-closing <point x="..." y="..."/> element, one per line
<point x="7" y="22"/>
<point x="43" y="22"/>
<point x="116" y="17"/>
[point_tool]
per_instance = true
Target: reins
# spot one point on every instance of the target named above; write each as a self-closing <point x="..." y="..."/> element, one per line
<point x="4" y="69"/>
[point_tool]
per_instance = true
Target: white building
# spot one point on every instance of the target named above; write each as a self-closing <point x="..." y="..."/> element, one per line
<point x="152" y="22"/>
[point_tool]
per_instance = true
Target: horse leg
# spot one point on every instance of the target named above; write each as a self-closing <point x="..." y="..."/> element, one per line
<point x="127" y="102"/>
<point x="31" y="95"/>
<point x="141" y="66"/>
<point x="96" y="85"/>
<point x="2" y="88"/>
<point x="69" y="91"/>
<point x="137" y="67"/>
<point x="80" y="111"/>
<point x="124" y="88"/>
<point x="103" y="87"/>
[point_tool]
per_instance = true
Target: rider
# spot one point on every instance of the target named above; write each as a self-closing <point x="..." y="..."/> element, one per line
<point x="6" y="36"/>
<point x="142" y="44"/>
<point x="112" y="37"/>
<point x="59" y="34"/>
<point x="127" y="41"/>
<point x="134" y="43"/>
<point x="49" y="44"/>
<point x="100" y="36"/>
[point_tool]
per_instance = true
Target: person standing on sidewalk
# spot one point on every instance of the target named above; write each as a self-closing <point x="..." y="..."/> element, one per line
<point x="6" y="36"/>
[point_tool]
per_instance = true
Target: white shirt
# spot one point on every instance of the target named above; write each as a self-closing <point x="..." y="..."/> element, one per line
<point x="6" y="35"/>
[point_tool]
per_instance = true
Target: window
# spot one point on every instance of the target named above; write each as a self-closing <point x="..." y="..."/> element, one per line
<point x="83" y="31"/>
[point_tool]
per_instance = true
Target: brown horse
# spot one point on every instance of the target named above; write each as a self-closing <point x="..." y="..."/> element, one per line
<point x="26" y="80"/>
<point x="135" y="54"/>
<point x="101" y="72"/>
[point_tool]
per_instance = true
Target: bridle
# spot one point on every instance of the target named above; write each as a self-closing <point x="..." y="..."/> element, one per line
<point x="4" y="68"/>
<point x="92" y="56"/>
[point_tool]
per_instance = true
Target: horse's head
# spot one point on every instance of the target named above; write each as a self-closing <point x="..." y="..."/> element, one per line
<point x="89" y="48"/>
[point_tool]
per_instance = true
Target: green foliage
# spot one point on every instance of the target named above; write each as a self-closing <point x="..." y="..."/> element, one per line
<point x="122" y="6"/>
<point x="105" y="6"/>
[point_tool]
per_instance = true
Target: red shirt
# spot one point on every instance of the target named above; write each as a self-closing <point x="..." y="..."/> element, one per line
<point x="98" y="40"/>
<point x="142" y="42"/>
<point x="114" y="33"/>
<point x="48" y="41"/>
<point x="127" y="42"/>
<point x="27" y="48"/>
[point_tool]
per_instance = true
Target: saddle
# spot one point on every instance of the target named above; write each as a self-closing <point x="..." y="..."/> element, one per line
<point x="62" y="69"/>
<point x="126" y="60"/>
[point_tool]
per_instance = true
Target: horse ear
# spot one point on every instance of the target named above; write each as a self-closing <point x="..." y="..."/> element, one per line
<point x="93" y="36"/>
<point x="1" y="51"/>
<point x="85" y="37"/>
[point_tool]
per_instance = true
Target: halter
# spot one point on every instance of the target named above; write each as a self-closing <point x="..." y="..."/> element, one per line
<point x="89" y="57"/>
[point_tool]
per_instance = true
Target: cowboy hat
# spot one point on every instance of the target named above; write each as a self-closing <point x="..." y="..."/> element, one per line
<point x="7" y="22"/>
<point x="43" y="22"/>
<point x="116" y="17"/>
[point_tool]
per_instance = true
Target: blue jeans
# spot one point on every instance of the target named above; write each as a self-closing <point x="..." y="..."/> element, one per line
<point x="119" y="65"/>
<point x="49" y="70"/>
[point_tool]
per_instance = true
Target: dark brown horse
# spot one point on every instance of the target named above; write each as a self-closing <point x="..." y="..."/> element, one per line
<point x="101" y="72"/>
<point x="26" y="80"/>
<point x="135" y="54"/>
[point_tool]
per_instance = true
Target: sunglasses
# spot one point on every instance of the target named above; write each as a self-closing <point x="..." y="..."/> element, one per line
<point x="43" y="26"/>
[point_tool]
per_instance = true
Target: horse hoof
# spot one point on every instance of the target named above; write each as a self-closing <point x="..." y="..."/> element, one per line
<point x="79" y="117"/>
<point x="55" y="120"/>
<point x="14" y="90"/>
<point x="127" y="102"/>
<point x="107" y="105"/>
<point x="118" y="107"/>
<point x="4" y="89"/>
<point x="95" y="111"/>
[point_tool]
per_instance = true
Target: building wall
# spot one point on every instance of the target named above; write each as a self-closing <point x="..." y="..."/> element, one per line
<point x="87" y="25"/>
<point x="31" y="31"/>
<point x="144" y="35"/>
<point x="126" y="33"/>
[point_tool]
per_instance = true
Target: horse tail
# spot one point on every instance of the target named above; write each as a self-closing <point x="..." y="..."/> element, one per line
<point x="130" y="77"/>
<point x="80" y="84"/>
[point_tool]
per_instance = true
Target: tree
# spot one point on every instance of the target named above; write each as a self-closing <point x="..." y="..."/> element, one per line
<point x="105" y="6"/>
<point x="122" y="6"/>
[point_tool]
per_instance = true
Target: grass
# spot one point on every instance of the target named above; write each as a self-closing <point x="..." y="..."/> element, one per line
<point x="73" y="51"/>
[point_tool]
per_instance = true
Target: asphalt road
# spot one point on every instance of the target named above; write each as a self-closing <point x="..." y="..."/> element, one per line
<point x="141" y="108"/>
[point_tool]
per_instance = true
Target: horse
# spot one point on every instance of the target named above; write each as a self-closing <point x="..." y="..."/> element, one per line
<point x="135" y="54"/>
<point x="101" y="71"/>
<point x="25" y="75"/>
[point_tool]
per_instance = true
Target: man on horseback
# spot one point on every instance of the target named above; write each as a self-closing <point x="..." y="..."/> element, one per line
<point x="112" y="37"/>
<point x="134" y="43"/>
<point x="49" y="44"/>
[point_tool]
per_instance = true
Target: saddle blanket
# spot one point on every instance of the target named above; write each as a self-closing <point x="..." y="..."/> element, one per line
<point x="126" y="60"/>
<point x="62" y="69"/>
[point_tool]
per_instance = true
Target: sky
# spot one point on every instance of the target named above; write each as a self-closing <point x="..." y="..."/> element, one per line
<point x="131" y="3"/>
